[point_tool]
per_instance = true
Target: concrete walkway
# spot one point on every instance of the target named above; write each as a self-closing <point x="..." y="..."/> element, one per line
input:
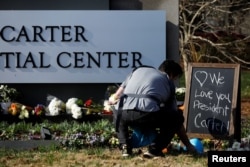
<point x="27" y="145"/>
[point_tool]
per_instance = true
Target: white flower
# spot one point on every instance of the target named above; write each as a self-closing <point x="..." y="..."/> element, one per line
<point x="69" y="104"/>
<point x="55" y="107"/>
<point x="24" y="113"/>
<point x="107" y="106"/>
<point x="113" y="141"/>
<point x="181" y="90"/>
<point x="76" y="111"/>
<point x="180" y="93"/>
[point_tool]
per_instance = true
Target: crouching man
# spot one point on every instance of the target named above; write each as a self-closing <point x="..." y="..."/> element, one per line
<point x="146" y="100"/>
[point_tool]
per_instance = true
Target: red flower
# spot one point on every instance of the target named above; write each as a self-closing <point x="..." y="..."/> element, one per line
<point x="39" y="109"/>
<point x="88" y="103"/>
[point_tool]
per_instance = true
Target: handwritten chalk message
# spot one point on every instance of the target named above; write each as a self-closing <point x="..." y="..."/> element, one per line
<point x="210" y="102"/>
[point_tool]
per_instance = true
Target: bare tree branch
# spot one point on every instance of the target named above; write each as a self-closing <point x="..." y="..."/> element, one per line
<point x="215" y="31"/>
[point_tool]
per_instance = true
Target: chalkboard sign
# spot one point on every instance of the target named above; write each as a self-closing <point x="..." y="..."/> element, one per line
<point x="212" y="100"/>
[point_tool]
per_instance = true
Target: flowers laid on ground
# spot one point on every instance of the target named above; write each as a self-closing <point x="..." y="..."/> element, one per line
<point x="78" y="108"/>
<point x="25" y="112"/>
<point x="70" y="103"/>
<point x="14" y="109"/>
<point x="73" y="106"/>
<point x="92" y="108"/>
<point x="88" y="103"/>
<point x="180" y="93"/>
<point x="76" y="111"/>
<point x="55" y="107"/>
<point x="39" y="110"/>
<point x="20" y="110"/>
<point x="7" y="94"/>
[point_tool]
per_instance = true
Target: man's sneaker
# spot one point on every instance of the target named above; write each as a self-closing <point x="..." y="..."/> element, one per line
<point x="126" y="151"/>
<point x="152" y="154"/>
<point x="148" y="155"/>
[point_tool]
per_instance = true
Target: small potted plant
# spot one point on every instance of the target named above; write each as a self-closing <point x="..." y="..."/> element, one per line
<point x="7" y="95"/>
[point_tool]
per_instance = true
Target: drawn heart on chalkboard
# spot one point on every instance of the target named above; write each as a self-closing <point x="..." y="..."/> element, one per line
<point x="201" y="77"/>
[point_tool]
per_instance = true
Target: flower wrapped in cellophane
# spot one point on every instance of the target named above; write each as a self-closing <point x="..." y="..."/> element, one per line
<point x="39" y="110"/>
<point x="91" y="107"/>
<point x="55" y="107"/>
<point x="73" y="106"/>
<point x="25" y="112"/>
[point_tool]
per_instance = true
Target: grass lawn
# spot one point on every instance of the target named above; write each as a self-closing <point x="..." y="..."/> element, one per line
<point x="95" y="157"/>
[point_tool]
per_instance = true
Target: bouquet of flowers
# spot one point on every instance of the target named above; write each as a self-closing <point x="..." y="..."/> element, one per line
<point x="108" y="108"/>
<point x="112" y="100"/>
<point x="55" y="107"/>
<point x="15" y="108"/>
<point x="39" y="110"/>
<point x="76" y="111"/>
<point x="21" y="110"/>
<point x="69" y="105"/>
<point x="73" y="106"/>
<point x="25" y="112"/>
<point x="88" y="103"/>
<point x="92" y="107"/>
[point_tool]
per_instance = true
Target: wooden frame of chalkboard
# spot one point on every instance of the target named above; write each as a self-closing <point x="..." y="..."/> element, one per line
<point x="212" y="101"/>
